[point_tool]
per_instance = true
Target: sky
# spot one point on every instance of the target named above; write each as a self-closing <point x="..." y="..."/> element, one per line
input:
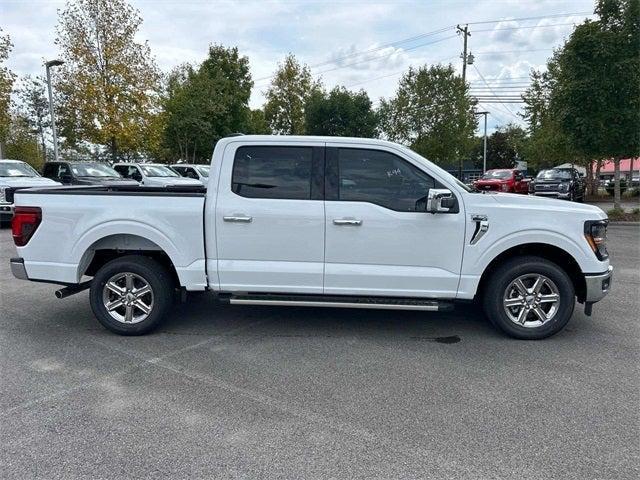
<point x="358" y="44"/>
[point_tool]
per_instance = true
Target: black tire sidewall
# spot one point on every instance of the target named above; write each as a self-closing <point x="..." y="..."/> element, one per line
<point x="157" y="277"/>
<point x="514" y="268"/>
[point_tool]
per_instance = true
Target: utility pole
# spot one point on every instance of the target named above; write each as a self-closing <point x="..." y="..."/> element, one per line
<point x="465" y="59"/>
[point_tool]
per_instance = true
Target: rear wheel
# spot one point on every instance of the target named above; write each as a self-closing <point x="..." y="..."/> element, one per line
<point x="130" y="295"/>
<point x="529" y="298"/>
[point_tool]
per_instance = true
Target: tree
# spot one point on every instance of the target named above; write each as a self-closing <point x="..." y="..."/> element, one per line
<point x="7" y="77"/>
<point x="287" y="96"/>
<point x="548" y="144"/>
<point x="258" y="123"/>
<point x="504" y="147"/>
<point x="35" y="108"/>
<point x="340" y="113"/>
<point x="597" y="96"/>
<point x="205" y="104"/>
<point x="109" y="80"/>
<point x="21" y="143"/>
<point x="431" y="112"/>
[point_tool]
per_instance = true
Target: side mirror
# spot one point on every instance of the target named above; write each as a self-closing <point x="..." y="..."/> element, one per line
<point x="440" y="200"/>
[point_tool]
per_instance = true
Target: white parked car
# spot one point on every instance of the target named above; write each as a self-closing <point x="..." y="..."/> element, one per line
<point x="197" y="172"/>
<point x="322" y="222"/>
<point x="16" y="174"/>
<point x="153" y="174"/>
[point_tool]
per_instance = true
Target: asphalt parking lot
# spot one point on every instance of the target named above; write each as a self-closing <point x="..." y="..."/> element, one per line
<point x="259" y="392"/>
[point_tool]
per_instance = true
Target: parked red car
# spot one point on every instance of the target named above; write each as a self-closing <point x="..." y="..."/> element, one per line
<point x="503" y="180"/>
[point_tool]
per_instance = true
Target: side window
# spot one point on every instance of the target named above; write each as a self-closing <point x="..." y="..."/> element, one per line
<point x="382" y="178"/>
<point x="190" y="172"/>
<point x="50" y="170"/>
<point x="64" y="170"/>
<point x="134" y="172"/>
<point x="122" y="170"/>
<point x="273" y="172"/>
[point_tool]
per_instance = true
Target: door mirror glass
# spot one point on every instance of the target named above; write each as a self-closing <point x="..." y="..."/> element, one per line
<point x="440" y="200"/>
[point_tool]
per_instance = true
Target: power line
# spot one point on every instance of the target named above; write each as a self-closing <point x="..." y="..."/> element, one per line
<point x="485" y="82"/>
<point x="431" y="33"/>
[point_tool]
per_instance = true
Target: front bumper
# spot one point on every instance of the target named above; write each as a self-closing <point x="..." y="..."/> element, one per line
<point x="17" y="268"/>
<point x="598" y="285"/>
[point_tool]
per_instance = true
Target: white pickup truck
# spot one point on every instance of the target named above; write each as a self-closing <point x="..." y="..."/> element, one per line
<point x="316" y="221"/>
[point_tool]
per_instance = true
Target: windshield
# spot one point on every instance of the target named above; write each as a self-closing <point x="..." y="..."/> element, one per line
<point x="204" y="171"/>
<point x="496" y="174"/>
<point x="93" y="170"/>
<point x="158" y="171"/>
<point x="17" y="169"/>
<point x="554" y="175"/>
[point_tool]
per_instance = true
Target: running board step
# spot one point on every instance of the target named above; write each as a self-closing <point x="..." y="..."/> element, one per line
<point x="380" y="303"/>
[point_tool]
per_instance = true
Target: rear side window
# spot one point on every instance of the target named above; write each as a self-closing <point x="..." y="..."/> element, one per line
<point x="379" y="177"/>
<point x="273" y="172"/>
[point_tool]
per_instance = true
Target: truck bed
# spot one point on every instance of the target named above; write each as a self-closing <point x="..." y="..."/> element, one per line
<point x="78" y="221"/>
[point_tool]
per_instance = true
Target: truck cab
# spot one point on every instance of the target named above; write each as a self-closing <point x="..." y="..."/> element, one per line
<point x="153" y="174"/>
<point x="84" y="173"/>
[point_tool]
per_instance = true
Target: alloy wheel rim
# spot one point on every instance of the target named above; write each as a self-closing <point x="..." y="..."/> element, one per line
<point x="531" y="300"/>
<point x="128" y="298"/>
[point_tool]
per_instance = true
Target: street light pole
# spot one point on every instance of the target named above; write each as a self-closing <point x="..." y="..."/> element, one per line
<point x="484" y="155"/>
<point x="48" y="65"/>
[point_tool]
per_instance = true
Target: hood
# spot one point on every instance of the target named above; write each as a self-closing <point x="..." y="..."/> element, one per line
<point x="543" y="203"/>
<point x="106" y="181"/>
<point x="165" y="181"/>
<point x="26" y="182"/>
<point x="491" y="181"/>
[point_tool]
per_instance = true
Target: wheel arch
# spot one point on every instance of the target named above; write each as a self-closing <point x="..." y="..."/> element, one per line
<point x="553" y="253"/>
<point x="112" y="246"/>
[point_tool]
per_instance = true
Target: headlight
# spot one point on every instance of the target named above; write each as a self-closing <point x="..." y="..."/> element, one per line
<point x="3" y="198"/>
<point x="595" y="231"/>
<point x="563" y="187"/>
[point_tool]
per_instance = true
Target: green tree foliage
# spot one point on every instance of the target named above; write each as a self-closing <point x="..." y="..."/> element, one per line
<point x="287" y="96"/>
<point x="258" y="124"/>
<point x="340" y="113"/>
<point x="34" y="106"/>
<point x="205" y="104"/>
<point x="22" y="143"/>
<point x="504" y="147"/>
<point x="431" y="112"/>
<point x="598" y="96"/>
<point x="109" y="81"/>
<point x="7" y="77"/>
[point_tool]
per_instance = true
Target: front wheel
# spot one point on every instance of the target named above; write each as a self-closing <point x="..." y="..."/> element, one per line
<point x="131" y="295"/>
<point x="529" y="298"/>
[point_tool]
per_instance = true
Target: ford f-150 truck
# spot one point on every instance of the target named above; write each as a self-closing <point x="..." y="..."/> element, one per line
<point x="503" y="180"/>
<point x="316" y="221"/>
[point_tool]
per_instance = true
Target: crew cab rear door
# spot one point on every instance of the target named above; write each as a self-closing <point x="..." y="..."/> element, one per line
<point x="380" y="241"/>
<point x="270" y="217"/>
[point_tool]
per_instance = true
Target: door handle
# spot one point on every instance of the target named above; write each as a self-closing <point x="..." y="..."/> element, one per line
<point x="347" y="221"/>
<point x="237" y="218"/>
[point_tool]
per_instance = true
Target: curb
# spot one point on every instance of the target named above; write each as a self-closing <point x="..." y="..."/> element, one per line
<point x="630" y="224"/>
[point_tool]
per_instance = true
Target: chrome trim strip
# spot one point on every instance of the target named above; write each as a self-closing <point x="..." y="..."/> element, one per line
<point x="17" y="268"/>
<point x="305" y="303"/>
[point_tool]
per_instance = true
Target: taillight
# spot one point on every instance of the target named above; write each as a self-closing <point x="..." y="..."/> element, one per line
<point x="24" y="224"/>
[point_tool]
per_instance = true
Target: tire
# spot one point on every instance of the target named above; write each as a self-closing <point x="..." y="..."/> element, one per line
<point x="538" y="317"/>
<point x="131" y="273"/>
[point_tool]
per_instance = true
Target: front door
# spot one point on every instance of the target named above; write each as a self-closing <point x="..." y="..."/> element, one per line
<point x="270" y="218"/>
<point x="379" y="239"/>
